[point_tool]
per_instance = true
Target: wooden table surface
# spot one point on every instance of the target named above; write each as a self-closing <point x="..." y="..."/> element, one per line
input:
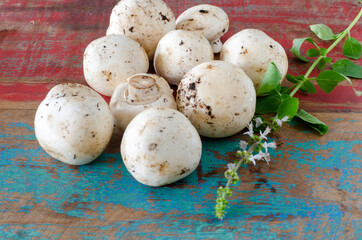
<point x="310" y="190"/>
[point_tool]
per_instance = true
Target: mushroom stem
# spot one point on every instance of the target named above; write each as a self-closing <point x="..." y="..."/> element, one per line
<point x="141" y="89"/>
<point x="216" y="45"/>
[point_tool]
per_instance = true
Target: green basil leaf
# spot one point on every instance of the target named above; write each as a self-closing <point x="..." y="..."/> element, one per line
<point x="268" y="104"/>
<point x="308" y="87"/>
<point x="291" y="78"/>
<point x="323" y="51"/>
<point x="300" y="77"/>
<point x="328" y="80"/>
<point x="323" y="31"/>
<point x="271" y="79"/>
<point x="312" y="121"/>
<point x="289" y="107"/>
<point x="348" y="68"/>
<point x="285" y="90"/>
<point x="352" y="48"/>
<point x="323" y="61"/>
<point x="297" y="43"/>
<point x="313" y="52"/>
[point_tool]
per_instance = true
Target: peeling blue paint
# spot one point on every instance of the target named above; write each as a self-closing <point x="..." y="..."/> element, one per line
<point x="90" y="191"/>
<point x="20" y="125"/>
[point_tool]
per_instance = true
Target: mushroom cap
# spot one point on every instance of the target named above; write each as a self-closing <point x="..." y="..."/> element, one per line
<point x="160" y="146"/>
<point x="179" y="51"/>
<point x="73" y="124"/>
<point x="112" y="59"/>
<point x="139" y="92"/>
<point x="252" y="50"/>
<point x="145" y="21"/>
<point x="218" y="98"/>
<point x="211" y="21"/>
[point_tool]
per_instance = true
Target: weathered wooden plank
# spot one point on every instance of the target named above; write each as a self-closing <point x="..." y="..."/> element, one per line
<point x="45" y="43"/>
<point x="29" y="30"/>
<point x="311" y="184"/>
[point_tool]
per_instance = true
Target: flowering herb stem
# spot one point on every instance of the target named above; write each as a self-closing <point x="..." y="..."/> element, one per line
<point x="316" y="62"/>
<point x="243" y="160"/>
<point x="248" y="153"/>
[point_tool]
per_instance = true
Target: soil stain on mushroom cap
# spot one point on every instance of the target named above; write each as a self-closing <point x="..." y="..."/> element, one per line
<point x="192" y="86"/>
<point x="152" y="146"/>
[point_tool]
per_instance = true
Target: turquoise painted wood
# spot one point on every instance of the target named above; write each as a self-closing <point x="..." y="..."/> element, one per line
<point x="48" y="199"/>
<point x="311" y="189"/>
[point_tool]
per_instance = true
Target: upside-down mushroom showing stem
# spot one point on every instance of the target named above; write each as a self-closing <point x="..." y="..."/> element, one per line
<point x="138" y="93"/>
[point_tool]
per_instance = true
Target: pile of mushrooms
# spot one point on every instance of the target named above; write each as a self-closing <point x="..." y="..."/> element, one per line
<point x="161" y="140"/>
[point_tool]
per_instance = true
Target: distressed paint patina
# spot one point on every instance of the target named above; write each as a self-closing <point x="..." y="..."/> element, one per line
<point x="46" y="195"/>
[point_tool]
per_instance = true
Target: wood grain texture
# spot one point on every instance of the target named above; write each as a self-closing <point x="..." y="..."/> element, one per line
<point x="310" y="190"/>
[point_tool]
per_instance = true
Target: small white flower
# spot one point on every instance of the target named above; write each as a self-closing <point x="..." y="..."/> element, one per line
<point x="272" y="145"/>
<point x="243" y="145"/>
<point x="252" y="159"/>
<point x="261" y="155"/>
<point x="280" y="121"/>
<point x="231" y="166"/>
<point x="267" y="145"/>
<point x="258" y="122"/>
<point x="285" y="119"/>
<point x="266" y="157"/>
<point x="265" y="133"/>
<point x="258" y="156"/>
<point x="263" y="136"/>
<point x="250" y="128"/>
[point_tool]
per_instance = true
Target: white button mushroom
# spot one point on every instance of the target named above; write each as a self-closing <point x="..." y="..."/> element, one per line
<point x="139" y="92"/>
<point x="217" y="97"/>
<point x="73" y="124"/>
<point x="160" y="146"/>
<point x="112" y="59"/>
<point x="144" y="21"/>
<point x="211" y="21"/>
<point x="252" y="50"/>
<point x="179" y="51"/>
